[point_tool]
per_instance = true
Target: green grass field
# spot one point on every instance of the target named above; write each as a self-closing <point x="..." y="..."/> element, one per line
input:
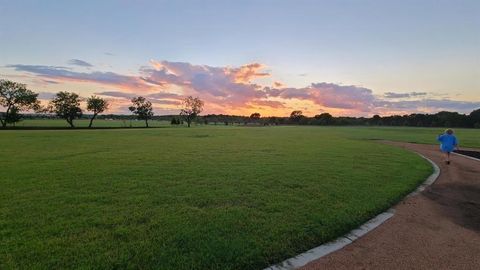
<point x="467" y="137"/>
<point x="199" y="198"/>
<point x="83" y="123"/>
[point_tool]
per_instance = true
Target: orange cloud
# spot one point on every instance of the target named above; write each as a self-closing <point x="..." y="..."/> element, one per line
<point x="247" y="73"/>
<point x="278" y="85"/>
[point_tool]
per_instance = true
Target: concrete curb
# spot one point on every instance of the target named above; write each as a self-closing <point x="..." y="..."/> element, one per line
<point x="465" y="156"/>
<point x="327" y="248"/>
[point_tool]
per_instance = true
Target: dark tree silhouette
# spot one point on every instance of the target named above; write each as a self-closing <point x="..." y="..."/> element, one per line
<point x="14" y="116"/>
<point x="192" y="107"/>
<point x="376" y="119"/>
<point x="96" y="105"/>
<point x="66" y="105"/>
<point x="15" y="97"/>
<point x="324" y="118"/>
<point x="175" y="121"/>
<point x="255" y="116"/>
<point x="296" y="116"/>
<point x="475" y="118"/>
<point x="142" y="108"/>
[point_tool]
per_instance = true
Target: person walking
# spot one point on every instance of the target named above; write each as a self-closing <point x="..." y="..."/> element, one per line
<point x="448" y="143"/>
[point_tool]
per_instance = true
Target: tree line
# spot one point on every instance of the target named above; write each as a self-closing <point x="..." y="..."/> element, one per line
<point x="440" y="119"/>
<point x="15" y="98"/>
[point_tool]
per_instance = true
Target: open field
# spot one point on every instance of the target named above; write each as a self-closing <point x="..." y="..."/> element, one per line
<point x="98" y="123"/>
<point x="200" y="198"/>
<point x="467" y="137"/>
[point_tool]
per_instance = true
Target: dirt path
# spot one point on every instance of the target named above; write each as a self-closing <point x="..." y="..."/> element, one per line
<point x="437" y="229"/>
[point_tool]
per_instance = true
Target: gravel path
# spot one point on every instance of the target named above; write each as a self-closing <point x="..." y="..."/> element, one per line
<point x="437" y="229"/>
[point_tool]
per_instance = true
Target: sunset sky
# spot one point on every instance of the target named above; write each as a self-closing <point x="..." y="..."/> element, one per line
<point x="355" y="58"/>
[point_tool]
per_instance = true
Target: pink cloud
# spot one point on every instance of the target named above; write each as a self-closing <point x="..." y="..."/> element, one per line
<point x="330" y="95"/>
<point x="222" y="85"/>
<point x="63" y="74"/>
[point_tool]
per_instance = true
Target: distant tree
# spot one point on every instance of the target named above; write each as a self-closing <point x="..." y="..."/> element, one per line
<point x="474" y="117"/>
<point x="15" y="97"/>
<point x="96" y="105"/>
<point x="66" y="105"/>
<point x="210" y="118"/>
<point x="296" y="116"/>
<point x="175" y="121"/>
<point x="451" y="119"/>
<point x="142" y="108"/>
<point x="191" y="108"/>
<point x="255" y="116"/>
<point x="324" y="118"/>
<point x="273" y="120"/>
<point x="376" y="120"/>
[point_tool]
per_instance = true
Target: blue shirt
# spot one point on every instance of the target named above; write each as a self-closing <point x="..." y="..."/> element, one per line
<point x="448" y="142"/>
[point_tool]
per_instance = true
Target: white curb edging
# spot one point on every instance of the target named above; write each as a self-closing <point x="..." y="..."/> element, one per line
<point x="465" y="156"/>
<point x="327" y="248"/>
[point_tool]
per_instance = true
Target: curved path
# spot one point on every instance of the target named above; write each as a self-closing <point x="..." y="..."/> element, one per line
<point x="436" y="229"/>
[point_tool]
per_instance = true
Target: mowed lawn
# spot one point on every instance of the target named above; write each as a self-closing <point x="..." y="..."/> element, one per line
<point x="83" y="123"/>
<point x="198" y="198"/>
<point x="467" y="137"/>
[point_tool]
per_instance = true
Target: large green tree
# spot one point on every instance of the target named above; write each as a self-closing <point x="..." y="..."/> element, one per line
<point x="15" y="97"/>
<point x="142" y="108"/>
<point x="96" y="105"/>
<point x="192" y="107"/>
<point x="66" y="105"/>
